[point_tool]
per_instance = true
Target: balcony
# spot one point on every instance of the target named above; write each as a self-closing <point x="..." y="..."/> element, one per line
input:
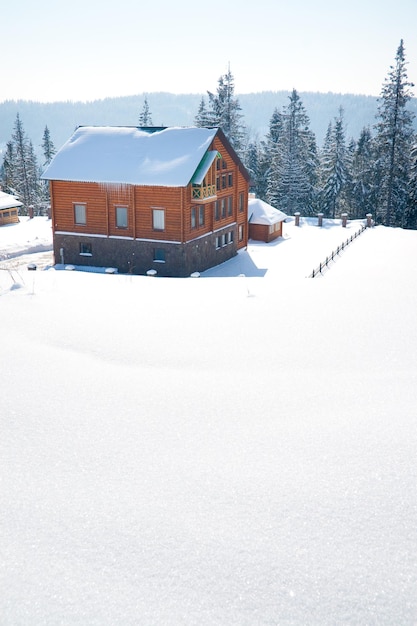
<point x="203" y="193"/>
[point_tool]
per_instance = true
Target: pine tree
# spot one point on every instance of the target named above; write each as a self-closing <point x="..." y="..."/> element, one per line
<point x="48" y="147"/>
<point x="225" y="111"/>
<point x="394" y="138"/>
<point x="145" y="118"/>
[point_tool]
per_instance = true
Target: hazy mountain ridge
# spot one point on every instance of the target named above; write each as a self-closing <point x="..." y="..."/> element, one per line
<point x="169" y="109"/>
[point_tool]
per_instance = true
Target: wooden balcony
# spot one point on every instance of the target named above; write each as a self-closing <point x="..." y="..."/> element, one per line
<point x="201" y="193"/>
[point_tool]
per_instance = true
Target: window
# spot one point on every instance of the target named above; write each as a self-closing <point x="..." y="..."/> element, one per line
<point x="224" y="181"/>
<point x="86" y="249"/>
<point x="193" y="217"/>
<point x="224" y="164"/>
<point x="241" y="202"/>
<point x="158" y="219"/>
<point x="201" y="216"/>
<point x="217" y="183"/>
<point x="216" y="210"/>
<point x="80" y="216"/>
<point x="230" y="179"/>
<point x="230" y="206"/>
<point x="241" y="232"/>
<point x="159" y="255"/>
<point x="121" y="217"/>
<point x="218" y="242"/>
<point x="223" y="201"/>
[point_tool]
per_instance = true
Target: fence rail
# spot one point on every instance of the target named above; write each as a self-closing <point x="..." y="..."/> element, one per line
<point x="335" y="253"/>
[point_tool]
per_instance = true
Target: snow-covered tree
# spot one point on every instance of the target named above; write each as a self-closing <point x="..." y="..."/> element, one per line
<point x="48" y="147"/>
<point x="145" y="118"/>
<point x="361" y="191"/>
<point x="411" y="213"/>
<point x="334" y="169"/>
<point x="204" y="117"/>
<point x="293" y="154"/>
<point x="8" y="169"/>
<point x="225" y="111"/>
<point x="394" y="140"/>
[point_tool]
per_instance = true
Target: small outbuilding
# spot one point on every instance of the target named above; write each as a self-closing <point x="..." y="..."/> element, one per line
<point x="265" y="221"/>
<point x="9" y="206"/>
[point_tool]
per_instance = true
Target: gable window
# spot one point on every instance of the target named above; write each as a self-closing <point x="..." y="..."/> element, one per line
<point x="230" y="179"/>
<point x="80" y="214"/>
<point x="158" y="219"/>
<point x="86" y="249"/>
<point x="121" y="217"/>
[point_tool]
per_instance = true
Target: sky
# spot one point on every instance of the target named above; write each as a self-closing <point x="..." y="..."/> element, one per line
<point x="82" y="51"/>
<point x="226" y="449"/>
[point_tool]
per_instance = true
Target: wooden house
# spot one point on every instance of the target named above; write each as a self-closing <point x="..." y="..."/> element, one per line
<point x="172" y="200"/>
<point x="265" y="222"/>
<point x="9" y="209"/>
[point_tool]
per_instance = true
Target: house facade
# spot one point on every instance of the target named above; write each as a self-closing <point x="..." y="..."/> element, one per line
<point x="173" y="200"/>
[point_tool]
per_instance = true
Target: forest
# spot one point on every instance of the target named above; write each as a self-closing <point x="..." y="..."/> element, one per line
<point x="328" y="153"/>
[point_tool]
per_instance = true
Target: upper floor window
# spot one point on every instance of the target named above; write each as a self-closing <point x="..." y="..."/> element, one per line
<point x="121" y="217"/>
<point x="80" y="214"/>
<point x="230" y="179"/>
<point x="158" y="219"/>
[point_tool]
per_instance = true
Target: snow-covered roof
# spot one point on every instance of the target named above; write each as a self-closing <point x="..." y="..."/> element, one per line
<point x="167" y="157"/>
<point x="261" y="212"/>
<point x="8" y="201"/>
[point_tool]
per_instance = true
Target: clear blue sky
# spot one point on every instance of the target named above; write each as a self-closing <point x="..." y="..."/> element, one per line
<point x="88" y="49"/>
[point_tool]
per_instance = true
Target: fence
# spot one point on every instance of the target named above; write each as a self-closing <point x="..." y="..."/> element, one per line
<point x="335" y="253"/>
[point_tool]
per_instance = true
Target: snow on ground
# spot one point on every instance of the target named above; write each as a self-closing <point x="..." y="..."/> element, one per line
<point x="228" y="450"/>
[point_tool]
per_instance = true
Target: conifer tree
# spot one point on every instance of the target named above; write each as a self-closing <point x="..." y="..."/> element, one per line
<point x="23" y="173"/>
<point x="394" y="139"/>
<point x="362" y="176"/>
<point x="145" y="118"/>
<point x="411" y="213"/>
<point x="8" y="170"/>
<point x="226" y="112"/>
<point x="293" y="153"/>
<point x="204" y="117"/>
<point x="334" y="169"/>
<point x="48" y="147"/>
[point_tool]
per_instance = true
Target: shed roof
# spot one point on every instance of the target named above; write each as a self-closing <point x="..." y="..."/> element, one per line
<point x="167" y="157"/>
<point x="261" y="212"/>
<point x="7" y="201"/>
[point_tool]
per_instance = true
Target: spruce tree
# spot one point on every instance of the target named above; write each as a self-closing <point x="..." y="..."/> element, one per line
<point x="48" y="147"/>
<point x="362" y="176"/>
<point x="204" y="117"/>
<point x="226" y="113"/>
<point x="334" y="169"/>
<point x="8" y="170"/>
<point x="411" y="213"/>
<point x="394" y="138"/>
<point x="145" y="118"/>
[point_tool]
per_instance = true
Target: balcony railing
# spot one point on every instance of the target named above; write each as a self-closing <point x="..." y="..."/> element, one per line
<point x="200" y="192"/>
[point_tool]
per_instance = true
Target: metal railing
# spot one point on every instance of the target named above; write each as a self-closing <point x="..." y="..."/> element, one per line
<point x="335" y="253"/>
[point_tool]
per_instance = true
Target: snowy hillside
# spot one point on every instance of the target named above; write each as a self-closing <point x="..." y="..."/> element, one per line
<point x="225" y="450"/>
